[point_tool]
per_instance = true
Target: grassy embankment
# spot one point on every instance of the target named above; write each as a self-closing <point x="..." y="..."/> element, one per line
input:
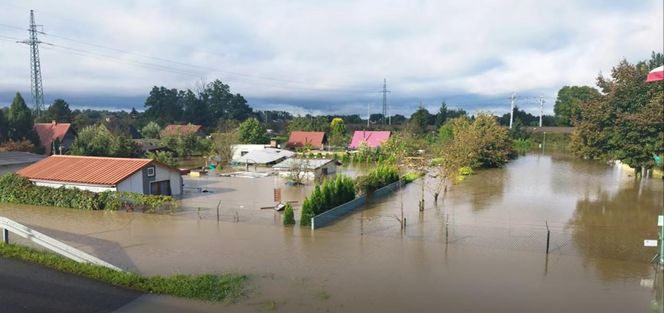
<point x="225" y="287"/>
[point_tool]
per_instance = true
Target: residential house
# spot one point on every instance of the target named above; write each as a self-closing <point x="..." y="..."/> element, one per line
<point x="174" y="130"/>
<point x="310" y="168"/>
<point x="373" y="139"/>
<point x="100" y="174"/>
<point x="55" y="135"/>
<point x="299" y="139"/>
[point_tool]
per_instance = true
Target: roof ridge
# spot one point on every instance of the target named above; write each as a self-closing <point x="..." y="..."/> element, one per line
<point x="99" y="157"/>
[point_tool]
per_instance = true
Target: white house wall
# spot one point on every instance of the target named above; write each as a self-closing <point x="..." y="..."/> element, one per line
<point x="163" y="173"/>
<point x="132" y="184"/>
<point x="73" y="185"/>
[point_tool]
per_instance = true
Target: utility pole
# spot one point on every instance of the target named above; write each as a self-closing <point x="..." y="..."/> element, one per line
<point x="368" y="113"/>
<point x="512" y="110"/>
<point x="385" y="111"/>
<point x="35" y="66"/>
<point x="541" y="109"/>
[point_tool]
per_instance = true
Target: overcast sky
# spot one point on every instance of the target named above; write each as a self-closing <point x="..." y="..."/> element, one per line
<point x="326" y="56"/>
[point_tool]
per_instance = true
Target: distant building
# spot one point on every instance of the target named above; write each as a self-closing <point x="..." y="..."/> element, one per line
<point x="312" y="168"/>
<point x="100" y="174"/>
<point x="242" y="149"/>
<point x="299" y="139"/>
<point x="373" y="139"/>
<point x="267" y="156"/>
<point x="174" y="130"/>
<point x="13" y="161"/>
<point x="50" y="134"/>
<point x="150" y="145"/>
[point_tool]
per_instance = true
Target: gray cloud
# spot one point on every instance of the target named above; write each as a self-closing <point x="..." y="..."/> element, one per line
<point x="328" y="56"/>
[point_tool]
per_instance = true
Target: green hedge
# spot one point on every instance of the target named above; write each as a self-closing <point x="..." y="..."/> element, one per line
<point x="380" y="176"/>
<point x="331" y="193"/>
<point x="19" y="190"/>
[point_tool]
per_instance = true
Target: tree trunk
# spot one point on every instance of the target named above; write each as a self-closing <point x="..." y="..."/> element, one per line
<point x="435" y="198"/>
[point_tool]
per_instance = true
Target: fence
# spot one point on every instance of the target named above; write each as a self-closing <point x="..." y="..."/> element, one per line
<point x="47" y="242"/>
<point x="329" y="216"/>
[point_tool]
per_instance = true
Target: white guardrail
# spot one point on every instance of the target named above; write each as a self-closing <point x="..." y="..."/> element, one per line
<point x="49" y="243"/>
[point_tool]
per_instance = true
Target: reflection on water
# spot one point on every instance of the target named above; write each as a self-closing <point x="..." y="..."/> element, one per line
<point x="481" y="249"/>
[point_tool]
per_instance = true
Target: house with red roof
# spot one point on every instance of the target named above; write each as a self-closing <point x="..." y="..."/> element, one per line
<point x="373" y="139"/>
<point x="298" y="139"/>
<point x="174" y="130"/>
<point x="55" y="135"/>
<point x="99" y="174"/>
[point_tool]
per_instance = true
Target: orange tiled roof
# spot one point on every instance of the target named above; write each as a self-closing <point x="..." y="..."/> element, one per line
<point x="299" y="139"/>
<point x="172" y="129"/>
<point x="84" y="169"/>
<point x="48" y="132"/>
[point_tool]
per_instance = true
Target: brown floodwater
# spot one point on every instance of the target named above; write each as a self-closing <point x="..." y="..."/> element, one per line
<point x="481" y="248"/>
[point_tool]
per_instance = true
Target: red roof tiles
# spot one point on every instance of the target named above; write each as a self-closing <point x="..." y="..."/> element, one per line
<point x="84" y="169"/>
<point x="48" y="132"/>
<point x="300" y="139"/>
<point x="173" y="130"/>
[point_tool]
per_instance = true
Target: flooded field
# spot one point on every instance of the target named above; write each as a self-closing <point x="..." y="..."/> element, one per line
<point x="480" y="249"/>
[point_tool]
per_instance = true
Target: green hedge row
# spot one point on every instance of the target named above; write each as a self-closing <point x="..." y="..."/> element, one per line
<point x="380" y="176"/>
<point x="331" y="193"/>
<point x="19" y="190"/>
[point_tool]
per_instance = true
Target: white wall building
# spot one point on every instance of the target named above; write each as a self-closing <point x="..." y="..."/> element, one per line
<point x="100" y="174"/>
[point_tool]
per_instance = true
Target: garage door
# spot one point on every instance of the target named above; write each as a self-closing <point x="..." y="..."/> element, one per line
<point x="160" y="188"/>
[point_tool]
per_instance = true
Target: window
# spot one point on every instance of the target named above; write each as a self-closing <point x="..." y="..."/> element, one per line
<point x="151" y="171"/>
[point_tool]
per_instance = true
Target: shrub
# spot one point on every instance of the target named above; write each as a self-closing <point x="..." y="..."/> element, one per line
<point x="19" y="190"/>
<point x="411" y="176"/>
<point x="331" y="193"/>
<point x="289" y="217"/>
<point x="380" y="176"/>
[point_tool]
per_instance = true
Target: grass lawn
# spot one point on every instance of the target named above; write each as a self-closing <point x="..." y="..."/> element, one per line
<point x="225" y="287"/>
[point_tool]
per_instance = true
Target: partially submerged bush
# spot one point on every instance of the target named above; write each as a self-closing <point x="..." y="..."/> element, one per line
<point x="289" y="217"/>
<point x="331" y="193"/>
<point x="19" y="190"/>
<point x="380" y="176"/>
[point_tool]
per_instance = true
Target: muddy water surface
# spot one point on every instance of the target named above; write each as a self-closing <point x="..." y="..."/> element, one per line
<point x="480" y="249"/>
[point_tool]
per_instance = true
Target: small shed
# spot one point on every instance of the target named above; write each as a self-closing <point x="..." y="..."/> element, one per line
<point x="13" y="161"/>
<point x="100" y="174"/>
<point x="299" y="139"/>
<point x="311" y="168"/>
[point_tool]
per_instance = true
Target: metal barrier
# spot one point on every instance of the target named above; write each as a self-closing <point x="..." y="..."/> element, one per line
<point x="49" y="243"/>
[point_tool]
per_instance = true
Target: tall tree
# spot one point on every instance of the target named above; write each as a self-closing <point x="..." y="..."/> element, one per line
<point x="419" y="121"/>
<point x="151" y="130"/>
<point x="222" y="104"/>
<point x="3" y="127"/>
<point x="195" y="111"/>
<point x="337" y="132"/>
<point x="163" y="105"/>
<point x="252" y="132"/>
<point x="58" y="111"/>
<point x="626" y="121"/>
<point x="441" y="117"/>
<point x="567" y="103"/>
<point x="19" y="120"/>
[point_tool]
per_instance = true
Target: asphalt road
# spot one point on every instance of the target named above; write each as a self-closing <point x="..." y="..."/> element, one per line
<point x="26" y="287"/>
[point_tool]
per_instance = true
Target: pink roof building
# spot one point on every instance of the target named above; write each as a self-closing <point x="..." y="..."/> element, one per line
<point x="373" y="138"/>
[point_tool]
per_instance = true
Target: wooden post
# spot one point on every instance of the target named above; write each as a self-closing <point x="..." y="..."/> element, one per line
<point x="218" y="205"/>
<point x="548" y="236"/>
<point x="5" y="236"/>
